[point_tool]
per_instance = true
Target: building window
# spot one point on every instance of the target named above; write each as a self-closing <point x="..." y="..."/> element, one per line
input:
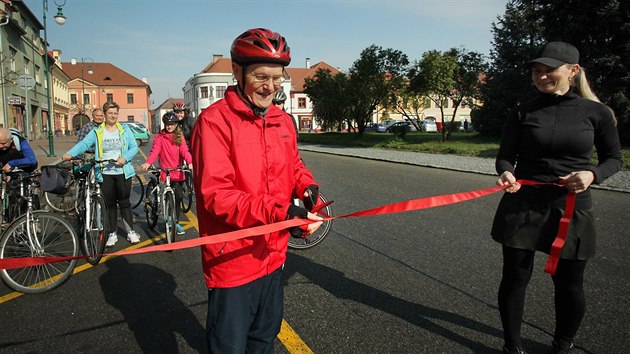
<point x="37" y="68"/>
<point x="221" y="91"/>
<point x="27" y="66"/>
<point x="302" y="102"/>
<point x="110" y="97"/>
<point x="86" y="98"/>
<point x="203" y="91"/>
<point x="130" y="119"/>
<point x="130" y="98"/>
<point x="73" y="98"/>
<point x="13" y="53"/>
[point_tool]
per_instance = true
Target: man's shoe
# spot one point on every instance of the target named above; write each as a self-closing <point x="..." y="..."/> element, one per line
<point x="180" y="229"/>
<point x="133" y="237"/>
<point x="561" y="347"/>
<point x="513" y="350"/>
<point x="111" y="240"/>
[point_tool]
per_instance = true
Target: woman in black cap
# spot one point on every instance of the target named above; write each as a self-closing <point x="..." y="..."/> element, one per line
<point x="550" y="139"/>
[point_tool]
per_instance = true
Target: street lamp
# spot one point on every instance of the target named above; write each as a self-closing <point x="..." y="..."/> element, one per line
<point x="60" y="19"/>
<point x="90" y="72"/>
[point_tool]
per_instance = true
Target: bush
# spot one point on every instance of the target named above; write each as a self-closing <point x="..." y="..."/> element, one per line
<point x="399" y="131"/>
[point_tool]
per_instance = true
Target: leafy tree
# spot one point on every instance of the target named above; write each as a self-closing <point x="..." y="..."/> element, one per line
<point x="598" y="28"/>
<point x="377" y="72"/>
<point x="328" y="93"/>
<point x="406" y="102"/>
<point x="448" y="76"/>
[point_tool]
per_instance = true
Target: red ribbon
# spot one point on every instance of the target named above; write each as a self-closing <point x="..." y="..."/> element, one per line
<point x="414" y="204"/>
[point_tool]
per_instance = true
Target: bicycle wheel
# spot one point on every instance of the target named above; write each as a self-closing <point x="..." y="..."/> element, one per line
<point x="318" y="236"/>
<point x="169" y="216"/>
<point x="137" y="191"/>
<point x="94" y="236"/>
<point x="151" y="203"/>
<point x="187" y="193"/>
<point x="62" y="203"/>
<point x="57" y="239"/>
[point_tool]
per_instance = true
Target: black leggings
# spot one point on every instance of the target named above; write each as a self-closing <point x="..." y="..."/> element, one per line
<point x="177" y="188"/>
<point x="116" y="190"/>
<point x="569" y="294"/>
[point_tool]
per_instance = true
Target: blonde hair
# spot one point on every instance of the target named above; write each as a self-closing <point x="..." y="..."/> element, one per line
<point x="178" y="136"/>
<point x="583" y="89"/>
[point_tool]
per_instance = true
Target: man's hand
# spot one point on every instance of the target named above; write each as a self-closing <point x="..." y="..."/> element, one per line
<point x="311" y="195"/>
<point x="299" y="212"/>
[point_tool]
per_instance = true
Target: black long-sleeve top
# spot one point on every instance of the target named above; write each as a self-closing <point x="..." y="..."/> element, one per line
<point x="553" y="135"/>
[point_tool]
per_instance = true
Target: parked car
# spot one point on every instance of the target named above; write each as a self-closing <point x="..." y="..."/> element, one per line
<point x="139" y="126"/>
<point x="142" y="136"/>
<point x="405" y="124"/>
<point x="428" y="125"/>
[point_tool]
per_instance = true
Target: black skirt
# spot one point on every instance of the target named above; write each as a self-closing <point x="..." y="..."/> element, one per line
<point x="532" y="224"/>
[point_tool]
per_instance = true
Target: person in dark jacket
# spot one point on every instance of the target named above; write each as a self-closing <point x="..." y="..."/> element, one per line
<point x="247" y="170"/>
<point x="186" y="122"/>
<point x="15" y="151"/>
<point x="551" y="139"/>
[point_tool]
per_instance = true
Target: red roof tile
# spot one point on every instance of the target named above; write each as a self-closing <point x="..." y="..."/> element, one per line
<point x="104" y="74"/>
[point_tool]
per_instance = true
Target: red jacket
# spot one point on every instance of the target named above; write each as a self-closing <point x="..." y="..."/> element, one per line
<point x="170" y="155"/>
<point x="247" y="169"/>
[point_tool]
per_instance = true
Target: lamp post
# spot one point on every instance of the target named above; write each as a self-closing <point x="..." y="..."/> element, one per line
<point x="60" y="19"/>
<point x="90" y="72"/>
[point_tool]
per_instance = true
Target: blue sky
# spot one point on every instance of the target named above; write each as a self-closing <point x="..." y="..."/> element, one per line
<point x="169" y="41"/>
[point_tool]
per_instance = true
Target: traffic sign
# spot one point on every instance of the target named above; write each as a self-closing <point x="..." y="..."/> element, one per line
<point x="26" y="82"/>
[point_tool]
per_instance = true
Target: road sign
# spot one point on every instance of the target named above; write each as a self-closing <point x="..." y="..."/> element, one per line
<point x="14" y="100"/>
<point x="26" y="82"/>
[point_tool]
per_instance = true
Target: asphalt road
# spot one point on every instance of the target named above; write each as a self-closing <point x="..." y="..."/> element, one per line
<point x="417" y="282"/>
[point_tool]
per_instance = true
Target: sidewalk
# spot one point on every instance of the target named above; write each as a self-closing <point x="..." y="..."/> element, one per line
<point x="61" y="145"/>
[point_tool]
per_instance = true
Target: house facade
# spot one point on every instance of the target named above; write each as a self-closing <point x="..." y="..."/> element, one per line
<point x="92" y="84"/>
<point x="158" y="112"/>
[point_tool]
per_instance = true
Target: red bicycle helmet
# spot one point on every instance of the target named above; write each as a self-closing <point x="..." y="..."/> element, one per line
<point x="260" y="45"/>
<point x="178" y="107"/>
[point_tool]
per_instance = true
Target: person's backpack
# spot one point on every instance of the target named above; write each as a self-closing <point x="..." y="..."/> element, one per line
<point x="17" y="136"/>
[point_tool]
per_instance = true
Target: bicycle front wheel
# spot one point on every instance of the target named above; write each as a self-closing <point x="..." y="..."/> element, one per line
<point x="319" y="235"/>
<point x="62" y="203"/>
<point x="54" y="237"/>
<point x="187" y="193"/>
<point x="94" y="235"/>
<point x="137" y="191"/>
<point x="151" y="203"/>
<point x="169" y="216"/>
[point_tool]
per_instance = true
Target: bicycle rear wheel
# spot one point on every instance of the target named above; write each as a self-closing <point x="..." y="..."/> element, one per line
<point x="169" y="216"/>
<point x="57" y="239"/>
<point x="62" y="203"/>
<point x="137" y="191"/>
<point x="187" y="193"/>
<point x="95" y="235"/>
<point x="151" y="203"/>
<point x="319" y="235"/>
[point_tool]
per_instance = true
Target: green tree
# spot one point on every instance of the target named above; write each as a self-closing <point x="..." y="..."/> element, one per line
<point x="406" y="102"/>
<point x="377" y="72"/>
<point x="328" y="94"/>
<point x="448" y="76"/>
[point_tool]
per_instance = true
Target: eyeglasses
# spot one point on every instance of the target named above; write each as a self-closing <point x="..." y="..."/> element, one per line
<point x="261" y="79"/>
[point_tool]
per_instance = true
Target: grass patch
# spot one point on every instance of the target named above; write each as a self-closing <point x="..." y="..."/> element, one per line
<point x="465" y="144"/>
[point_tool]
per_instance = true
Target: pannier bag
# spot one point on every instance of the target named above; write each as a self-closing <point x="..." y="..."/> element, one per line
<point x="55" y="179"/>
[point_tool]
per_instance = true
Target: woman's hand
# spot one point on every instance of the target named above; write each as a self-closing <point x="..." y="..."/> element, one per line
<point x="578" y="182"/>
<point x="145" y="166"/>
<point x="121" y="161"/>
<point x="66" y="157"/>
<point x="507" y="178"/>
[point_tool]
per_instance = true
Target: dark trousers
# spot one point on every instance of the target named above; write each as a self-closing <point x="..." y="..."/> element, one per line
<point x="116" y="190"/>
<point x="177" y="188"/>
<point x="246" y="318"/>
<point x="568" y="298"/>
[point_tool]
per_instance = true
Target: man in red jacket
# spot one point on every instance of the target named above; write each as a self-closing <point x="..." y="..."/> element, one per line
<point x="247" y="170"/>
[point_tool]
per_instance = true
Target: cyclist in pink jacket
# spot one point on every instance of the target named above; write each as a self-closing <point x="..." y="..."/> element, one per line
<point x="170" y="147"/>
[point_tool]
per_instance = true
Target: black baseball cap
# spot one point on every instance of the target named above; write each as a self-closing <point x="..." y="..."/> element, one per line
<point x="556" y="54"/>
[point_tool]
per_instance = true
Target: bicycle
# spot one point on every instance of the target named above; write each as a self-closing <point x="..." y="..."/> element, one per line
<point x="188" y="192"/>
<point x="320" y="234"/>
<point x="65" y="203"/>
<point x="161" y="197"/>
<point x="37" y="233"/>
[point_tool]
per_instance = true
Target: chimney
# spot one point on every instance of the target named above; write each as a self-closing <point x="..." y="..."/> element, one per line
<point x="145" y="80"/>
<point x="216" y="57"/>
<point x="308" y="63"/>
